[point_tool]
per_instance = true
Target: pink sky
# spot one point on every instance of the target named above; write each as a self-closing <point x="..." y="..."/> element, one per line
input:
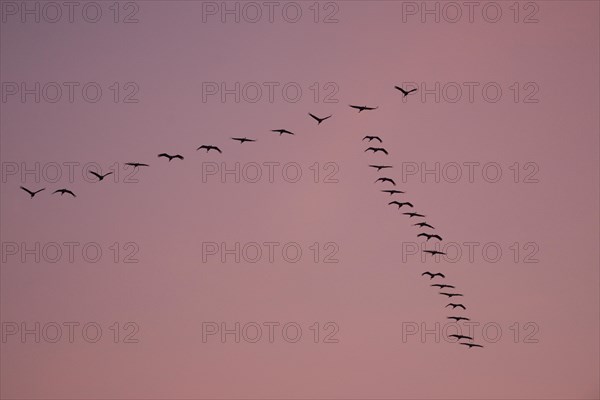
<point x="375" y="290"/>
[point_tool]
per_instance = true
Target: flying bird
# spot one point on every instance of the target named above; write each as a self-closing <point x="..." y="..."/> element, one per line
<point x="363" y="108"/>
<point x="433" y="252"/>
<point x="373" y="138"/>
<point x="454" y="305"/>
<point x="170" y="157"/>
<point x="380" y="167"/>
<point x="135" y="164"/>
<point x="63" y="191"/>
<point x="472" y="345"/>
<point x="377" y="149"/>
<point x="405" y="92"/>
<point x="100" y="177"/>
<point x="431" y="276"/>
<point x="428" y="236"/>
<point x="32" y="193"/>
<point x="282" y="131"/>
<point x="459" y="319"/>
<point x="243" y="139"/>
<point x="400" y="204"/>
<point x="412" y="214"/>
<point x="209" y="148"/>
<point x="459" y="337"/>
<point x="451" y="294"/>
<point x="392" y="192"/>
<point x="386" y="180"/>
<point x="441" y="286"/>
<point x="319" y="120"/>
<point x="423" y="225"/>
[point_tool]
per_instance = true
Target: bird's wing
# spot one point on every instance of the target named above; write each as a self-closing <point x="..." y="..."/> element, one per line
<point x="94" y="173"/>
<point x="27" y="190"/>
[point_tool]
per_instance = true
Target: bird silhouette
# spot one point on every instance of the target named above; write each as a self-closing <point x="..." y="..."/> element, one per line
<point x="319" y="120"/>
<point x="423" y="225"/>
<point x="392" y="192"/>
<point x="100" y="177"/>
<point x="433" y="252"/>
<point x="459" y="319"/>
<point x="373" y="138"/>
<point x="405" y="92"/>
<point x="454" y="305"/>
<point x="380" y="167"/>
<point x="243" y="139"/>
<point x="399" y="204"/>
<point x="451" y="294"/>
<point x="63" y="191"/>
<point x="363" y="108"/>
<point x="282" y="131"/>
<point x="431" y="275"/>
<point x="170" y="157"/>
<point x="472" y="345"/>
<point x="428" y="236"/>
<point x="30" y="192"/>
<point x="386" y="180"/>
<point x="459" y="337"/>
<point x="377" y="149"/>
<point x="209" y="148"/>
<point x="442" y="286"/>
<point x="412" y="214"/>
<point x="135" y="164"/>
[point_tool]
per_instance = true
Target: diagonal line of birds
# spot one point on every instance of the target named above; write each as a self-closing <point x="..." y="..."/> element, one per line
<point x="383" y="180"/>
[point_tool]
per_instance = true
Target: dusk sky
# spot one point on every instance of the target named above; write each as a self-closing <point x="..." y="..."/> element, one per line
<point x="277" y="268"/>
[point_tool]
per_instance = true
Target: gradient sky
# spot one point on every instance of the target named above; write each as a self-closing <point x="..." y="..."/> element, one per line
<point x="373" y="291"/>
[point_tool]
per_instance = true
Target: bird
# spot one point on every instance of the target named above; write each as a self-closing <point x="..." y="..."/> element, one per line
<point x="428" y="236"/>
<point x="433" y="252"/>
<point x="459" y="337"/>
<point x="243" y="139"/>
<point x="380" y="167"/>
<point x="386" y="180"/>
<point x="412" y="214"/>
<point x="63" y="191"/>
<point x="405" y="92"/>
<point x="441" y="286"/>
<point x="423" y="225"/>
<point x="472" y="345"/>
<point x="459" y="318"/>
<point x="363" y="108"/>
<point x="319" y="120"/>
<point x="451" y="294"/>
<point x="431" y="275"/>
<point x="282" y="131"/>
<point x="135" y="164"/>
<point x="454" y="305"/>
<point x="32" y="193"/>
<point x="100" y="177"/>
<point x="209" y="148"/>
<point x="400" y="204"/>
<point x="373" y="138"/>
<point x="170" y="157"/>
<point x="392" y="192"/>
<point x="377" y="149"/>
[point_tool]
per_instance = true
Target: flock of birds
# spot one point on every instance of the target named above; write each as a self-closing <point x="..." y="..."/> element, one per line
<point x="384" y="180"/>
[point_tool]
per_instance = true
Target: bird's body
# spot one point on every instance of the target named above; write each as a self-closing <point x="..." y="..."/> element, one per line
<point x="99" y="176"/>
<point x="412" y="214"/>
<point x="136" y="164"/>
<point x="377" y="149"/>
<point x="399" y="204"/>
<point x="30" y="192"/>
<point x="442" y="286"/>
<point x="209" y="148"/>
<point x="423" y="225"/>
<point x="380" y="167"/>
<point x="428" y="236"/>
<point x="370" y="138"/>
<point x="454" y="305"/>
<point x="433" y="275"/>
<point x="63" y="191"/>
<point x="405" y="92"/>
<point x="170" y="157"/>
<point x="319" y="120"/>
<point x="434" y="252"/>
<point x="243" y="139"/>
<point x="450" y="295"/>
<point x="472" y="345"/>
<point x="282" y="131"/>
<point x="392" y="192"/>
<point x="459" y="319"/>
<point x="363" y="108"/>
<point x="390" y="180"/>
<point x="459" y="337"/>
